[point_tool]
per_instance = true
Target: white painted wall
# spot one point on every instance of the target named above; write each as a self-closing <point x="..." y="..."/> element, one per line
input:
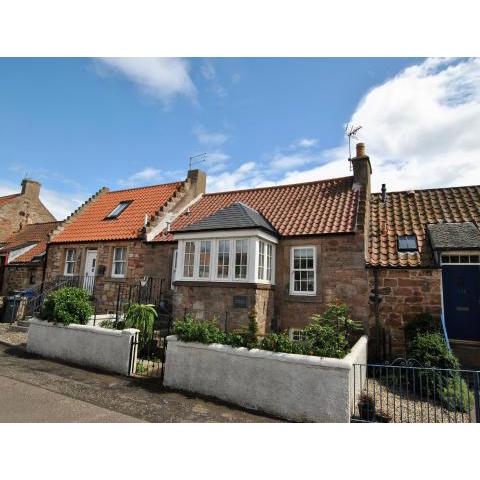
<point x="295" y="387"/>
<point x="83" y="345"/>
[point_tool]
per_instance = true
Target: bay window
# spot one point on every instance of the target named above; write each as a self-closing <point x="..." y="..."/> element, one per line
<point x="302" y="271"/>
<point x="119" y="266"/>
<point x="240" y="258"/>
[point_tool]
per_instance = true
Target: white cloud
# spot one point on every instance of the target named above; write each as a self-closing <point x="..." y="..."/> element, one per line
<point x="245" y="176"/>
<point x="147" y="175"/>
<point x="306" y="142"/>
<point x="287" y="161"/>
<point x="209" y="138"/>
<point x="162" y="78"/>
<point x="420" y="129"/>
<point x="209" y="73"/>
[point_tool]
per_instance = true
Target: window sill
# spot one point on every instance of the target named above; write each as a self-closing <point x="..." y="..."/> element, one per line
<point x="222" y="284"/>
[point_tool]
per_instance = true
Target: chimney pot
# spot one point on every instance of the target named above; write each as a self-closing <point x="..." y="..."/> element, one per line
<point x="360" y="149"/>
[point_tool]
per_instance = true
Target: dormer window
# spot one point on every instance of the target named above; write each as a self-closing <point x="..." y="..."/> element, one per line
<point x="407" y="243"/>
<point x="118" y="210"/>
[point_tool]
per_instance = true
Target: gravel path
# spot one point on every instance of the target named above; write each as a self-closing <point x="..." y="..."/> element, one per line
<point x="9" y="335"/>
<point x="409" y="409"/>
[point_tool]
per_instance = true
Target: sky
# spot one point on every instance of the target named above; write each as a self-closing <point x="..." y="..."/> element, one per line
<point x="78" y="124"/>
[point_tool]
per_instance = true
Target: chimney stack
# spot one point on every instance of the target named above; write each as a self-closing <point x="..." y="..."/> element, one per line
<point x="30" y="188"/>
<point x="361" y="169"/>
<point x="384" y="193"/>
<point x="198" y="180"/>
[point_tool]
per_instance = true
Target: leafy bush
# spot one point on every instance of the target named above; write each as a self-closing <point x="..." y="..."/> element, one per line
<point x="280" y="342"/>
<point x="112" y="324"/>
<point x="447" y="385"/>
<point x="423" y="323"/>
<point x="192" y="330"/>
<point x="67" y="305"/>
<point x="141" y="317"/>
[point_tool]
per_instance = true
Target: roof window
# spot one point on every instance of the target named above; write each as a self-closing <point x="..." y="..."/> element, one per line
<point x="407" y="243"/>
<point x="118" y="210"/>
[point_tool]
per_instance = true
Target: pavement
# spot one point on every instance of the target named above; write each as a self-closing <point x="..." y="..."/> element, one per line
<point x="34" y="389"/>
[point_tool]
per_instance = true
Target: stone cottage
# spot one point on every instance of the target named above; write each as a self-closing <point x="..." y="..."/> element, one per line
<point x="286" y="251"/>
<point x="105" y="243"/>
<point x="23" y="257"/>
<point x="20" y="209"/>
<point x="424" y="257"/>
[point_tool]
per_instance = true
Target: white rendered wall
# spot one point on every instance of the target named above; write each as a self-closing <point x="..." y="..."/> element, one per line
<point x="84" y="345"/>
<point x="295" y="387"/>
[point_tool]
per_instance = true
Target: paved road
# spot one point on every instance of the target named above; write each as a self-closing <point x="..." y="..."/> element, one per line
<point x="35" y="389"/>
<point x="22" y="402"/>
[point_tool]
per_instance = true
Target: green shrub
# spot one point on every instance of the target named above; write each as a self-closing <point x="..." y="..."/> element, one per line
<point x="112" y="324"/>
<point x="431" y="350"/>
<point x="280" y="342"/>
<point x="141" y="317"/>
<point x="67" y="305"/>
<point x="203" y="331"/>
<point x="447" y="385"/>
<point x="423" y="323"/>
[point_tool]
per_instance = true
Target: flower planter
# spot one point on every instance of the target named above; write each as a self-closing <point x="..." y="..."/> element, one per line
<point x="295" y="387"/>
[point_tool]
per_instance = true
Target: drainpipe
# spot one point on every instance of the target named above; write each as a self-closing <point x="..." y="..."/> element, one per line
<point x="44" y="273"/>
<point x="376" y="310"/>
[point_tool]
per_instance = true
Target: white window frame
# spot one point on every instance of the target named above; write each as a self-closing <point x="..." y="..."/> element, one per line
<point x="296" y="332"/>
<point x="174" y="268"/>
<point x="292" y="271"/>
<point x="195" y="250"/>
<point x="253" y="237"/>
<point x="123" y="260"/>
<point x="204" y="265"/>
<point x="247" y="253"/>
<point x="69" y="262"/>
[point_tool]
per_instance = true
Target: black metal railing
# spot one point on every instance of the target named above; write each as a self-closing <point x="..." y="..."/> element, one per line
<point x="405" y="392"/>
<point x="221" y="318"/>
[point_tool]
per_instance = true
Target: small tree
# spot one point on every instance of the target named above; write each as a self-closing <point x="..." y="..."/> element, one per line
<point x="251" y="337"/>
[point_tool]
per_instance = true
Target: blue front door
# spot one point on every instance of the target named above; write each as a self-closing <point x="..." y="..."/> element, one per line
<point x="461" y="301"/>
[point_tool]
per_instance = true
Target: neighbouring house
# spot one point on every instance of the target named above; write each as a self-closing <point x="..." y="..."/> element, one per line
<point x="105" y="242"/>
<point x="23" y="257"/>
<point x="20" y="209"/>
<point x="285" y="251"/>
<point x="424" y="257"/>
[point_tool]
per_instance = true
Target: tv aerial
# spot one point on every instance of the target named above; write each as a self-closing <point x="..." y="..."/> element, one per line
<point x="351" y="132"/>
<point x="196" y="159"/>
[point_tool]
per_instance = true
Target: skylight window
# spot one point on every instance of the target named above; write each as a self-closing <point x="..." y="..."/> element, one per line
<point x="118" y="210"/>
<point x="407" y="243"/>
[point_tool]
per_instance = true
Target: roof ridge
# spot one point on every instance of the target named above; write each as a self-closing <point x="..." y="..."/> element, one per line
<point x="147" y="186"/>
<point x="279" y="186"/>
<point x="426" y="189"/>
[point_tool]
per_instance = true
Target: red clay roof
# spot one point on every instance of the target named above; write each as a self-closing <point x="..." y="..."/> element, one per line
<point x="407" y="213"/>
<point x="90" y="224"/>
<point x="33" y="233"/>
<point x="7" y="198"/>
<point x="314" y="208"/>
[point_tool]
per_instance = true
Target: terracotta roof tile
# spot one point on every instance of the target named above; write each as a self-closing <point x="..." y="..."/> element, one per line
<point x="321" y="207"/>
<point x="7" y="198"/>
<point x="90" y="224"/>
<point x="32" y="233"/>
<point x="409" y="212"/>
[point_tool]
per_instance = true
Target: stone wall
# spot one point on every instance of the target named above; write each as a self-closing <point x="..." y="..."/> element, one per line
<point x="207" y="299"/>
<point x="341" y="275"/>
<point x="20" y="211"/>
<point x="22" y="276"/>
<point x="405" y="293"/>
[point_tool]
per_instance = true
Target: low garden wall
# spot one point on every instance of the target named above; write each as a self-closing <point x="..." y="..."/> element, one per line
<point x="295" y="387"/>
<point x="84" y="345"/>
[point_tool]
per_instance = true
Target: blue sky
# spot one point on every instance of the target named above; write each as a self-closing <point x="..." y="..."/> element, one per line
<point x="79" y="124"/>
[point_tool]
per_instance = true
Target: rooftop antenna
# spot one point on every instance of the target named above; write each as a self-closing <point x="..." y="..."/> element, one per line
<point x="202" y="157"/>
<point x="351" y="132"/>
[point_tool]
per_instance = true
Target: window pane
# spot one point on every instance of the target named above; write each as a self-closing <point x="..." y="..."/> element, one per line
<point x="261" y="260"/>
<point x="204" y="265"/>
<point x="303" y="272"/>
<point x="223" y="258"/>
<point x="189" y="259"/>
<point x="269" y="262"/>
<point x="407" y="242"/>
<point x="241" y="258"/>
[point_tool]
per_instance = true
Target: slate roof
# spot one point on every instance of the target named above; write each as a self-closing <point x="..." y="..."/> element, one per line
<point x="235" y="216"/>
<point x="7" y="198"/>
<point x="409" y="212"/>
<point x="313" y="208"/>
<point x="90" y="225"/>
<point x="34" y="233"/>
<point x="454" y="236"/>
